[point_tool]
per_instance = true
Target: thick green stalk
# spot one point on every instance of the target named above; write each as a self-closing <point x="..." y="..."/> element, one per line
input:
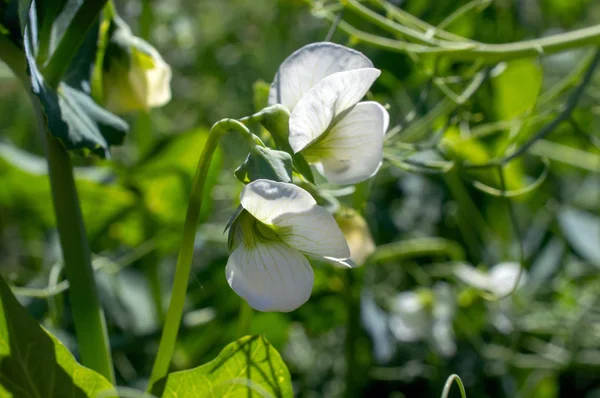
<point x="88" y="317"/>
<point x="186" y="251"/>
<point x="87" y="314"/>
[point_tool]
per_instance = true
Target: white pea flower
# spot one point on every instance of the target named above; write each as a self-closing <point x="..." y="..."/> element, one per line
<point x="135" y="77"/>
<point x="278" y="225"/>
<point x="321" y="84"/>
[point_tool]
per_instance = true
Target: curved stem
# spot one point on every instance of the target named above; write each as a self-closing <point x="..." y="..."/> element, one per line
<point x="465" y="49"/>
<point x="186" y="251"/>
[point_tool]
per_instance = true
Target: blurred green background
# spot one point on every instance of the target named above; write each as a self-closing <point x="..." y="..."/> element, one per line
<point x="425" y="308"/>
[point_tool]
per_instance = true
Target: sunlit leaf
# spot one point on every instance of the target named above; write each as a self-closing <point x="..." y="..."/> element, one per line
<point x="33" y="363"/>
<point x="517" y="88"/>
<point x="249" y="367"/>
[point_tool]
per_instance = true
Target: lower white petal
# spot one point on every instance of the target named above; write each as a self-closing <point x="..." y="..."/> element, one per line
<point x="353" y="150"/>
<point x="270" y="276"/>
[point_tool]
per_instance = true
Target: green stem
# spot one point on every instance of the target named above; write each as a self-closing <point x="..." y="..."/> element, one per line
<point x="244" y="319"/>
<point x="418" y="247"/>
<point x="186" y="251"/>
<point x="73" y="38"/>
<point x="90" y="327"/>
<point x="352" y="298"/>
<point x="469" y="50"/>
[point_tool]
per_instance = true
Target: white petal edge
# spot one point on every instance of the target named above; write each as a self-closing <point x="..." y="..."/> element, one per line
<point x="309" y="65"/>
<point x="318" y="108"/>
<point x="354" y="145"/>
<point x="314" y="233"/>
<point x="266" y="200"/>
<point x="299" y="221"/>
<point x="270" y="276"/>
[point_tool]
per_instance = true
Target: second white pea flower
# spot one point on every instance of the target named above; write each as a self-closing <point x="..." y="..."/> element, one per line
<point x="278" y="225"/>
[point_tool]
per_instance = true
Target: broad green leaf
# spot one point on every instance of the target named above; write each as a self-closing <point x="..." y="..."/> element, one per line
<point x="34" y="364"/>
<point x="249" y="367"/>
<point x="517" y="88"/>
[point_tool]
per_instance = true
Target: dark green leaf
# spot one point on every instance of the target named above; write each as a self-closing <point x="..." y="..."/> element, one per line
<point x="33" y="363"/>
<point x="73" y="117"/>
<point x="249" y="367"/>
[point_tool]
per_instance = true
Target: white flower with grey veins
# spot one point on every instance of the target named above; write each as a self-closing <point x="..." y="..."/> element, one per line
<point x="321" y="84"/>
<point x="278" y="224"/>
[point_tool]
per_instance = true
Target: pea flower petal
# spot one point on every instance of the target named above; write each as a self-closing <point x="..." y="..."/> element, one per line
<point x="352" y="151"/>
<point x="318" y="109"/>
<point x="298" y="221"/>
<point x="309" y="65"/>
<point x="270" y="276"/>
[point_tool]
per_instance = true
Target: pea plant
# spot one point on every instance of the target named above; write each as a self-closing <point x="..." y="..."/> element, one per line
<point x="318" y="139"/>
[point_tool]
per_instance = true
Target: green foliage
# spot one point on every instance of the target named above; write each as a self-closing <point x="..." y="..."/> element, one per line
<point x="249" y="367"/>
<point x="438" y="212"/>
<point x="33" y="363"/>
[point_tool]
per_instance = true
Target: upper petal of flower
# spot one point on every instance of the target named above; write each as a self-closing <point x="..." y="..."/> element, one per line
<point x="270" y="276"/>
<point x="318" y="108"/>
<point x="352" y="151"/>
<point x="296" y="218"/>
<point x="309" y="65"/>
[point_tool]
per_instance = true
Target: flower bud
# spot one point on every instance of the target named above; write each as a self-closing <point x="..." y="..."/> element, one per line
<point x="357" y="234"/>
<point x="135" y="75"/>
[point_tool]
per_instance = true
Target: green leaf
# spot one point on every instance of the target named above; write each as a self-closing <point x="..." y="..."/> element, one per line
<point x="249" y="367"/>
<point x="33" y="363"/>
<point x="266" y="163"/>
<point x="517" y="88"/>
<point x="73" y="117"/>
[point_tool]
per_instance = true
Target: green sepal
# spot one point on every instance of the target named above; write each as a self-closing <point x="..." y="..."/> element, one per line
<point x="276" y="119"/>
<point x="267" y="163"/>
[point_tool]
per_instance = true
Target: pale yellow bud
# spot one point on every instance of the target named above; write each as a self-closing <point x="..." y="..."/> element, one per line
<point x="136" y="77"/>
<point x="357" y="234"/>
